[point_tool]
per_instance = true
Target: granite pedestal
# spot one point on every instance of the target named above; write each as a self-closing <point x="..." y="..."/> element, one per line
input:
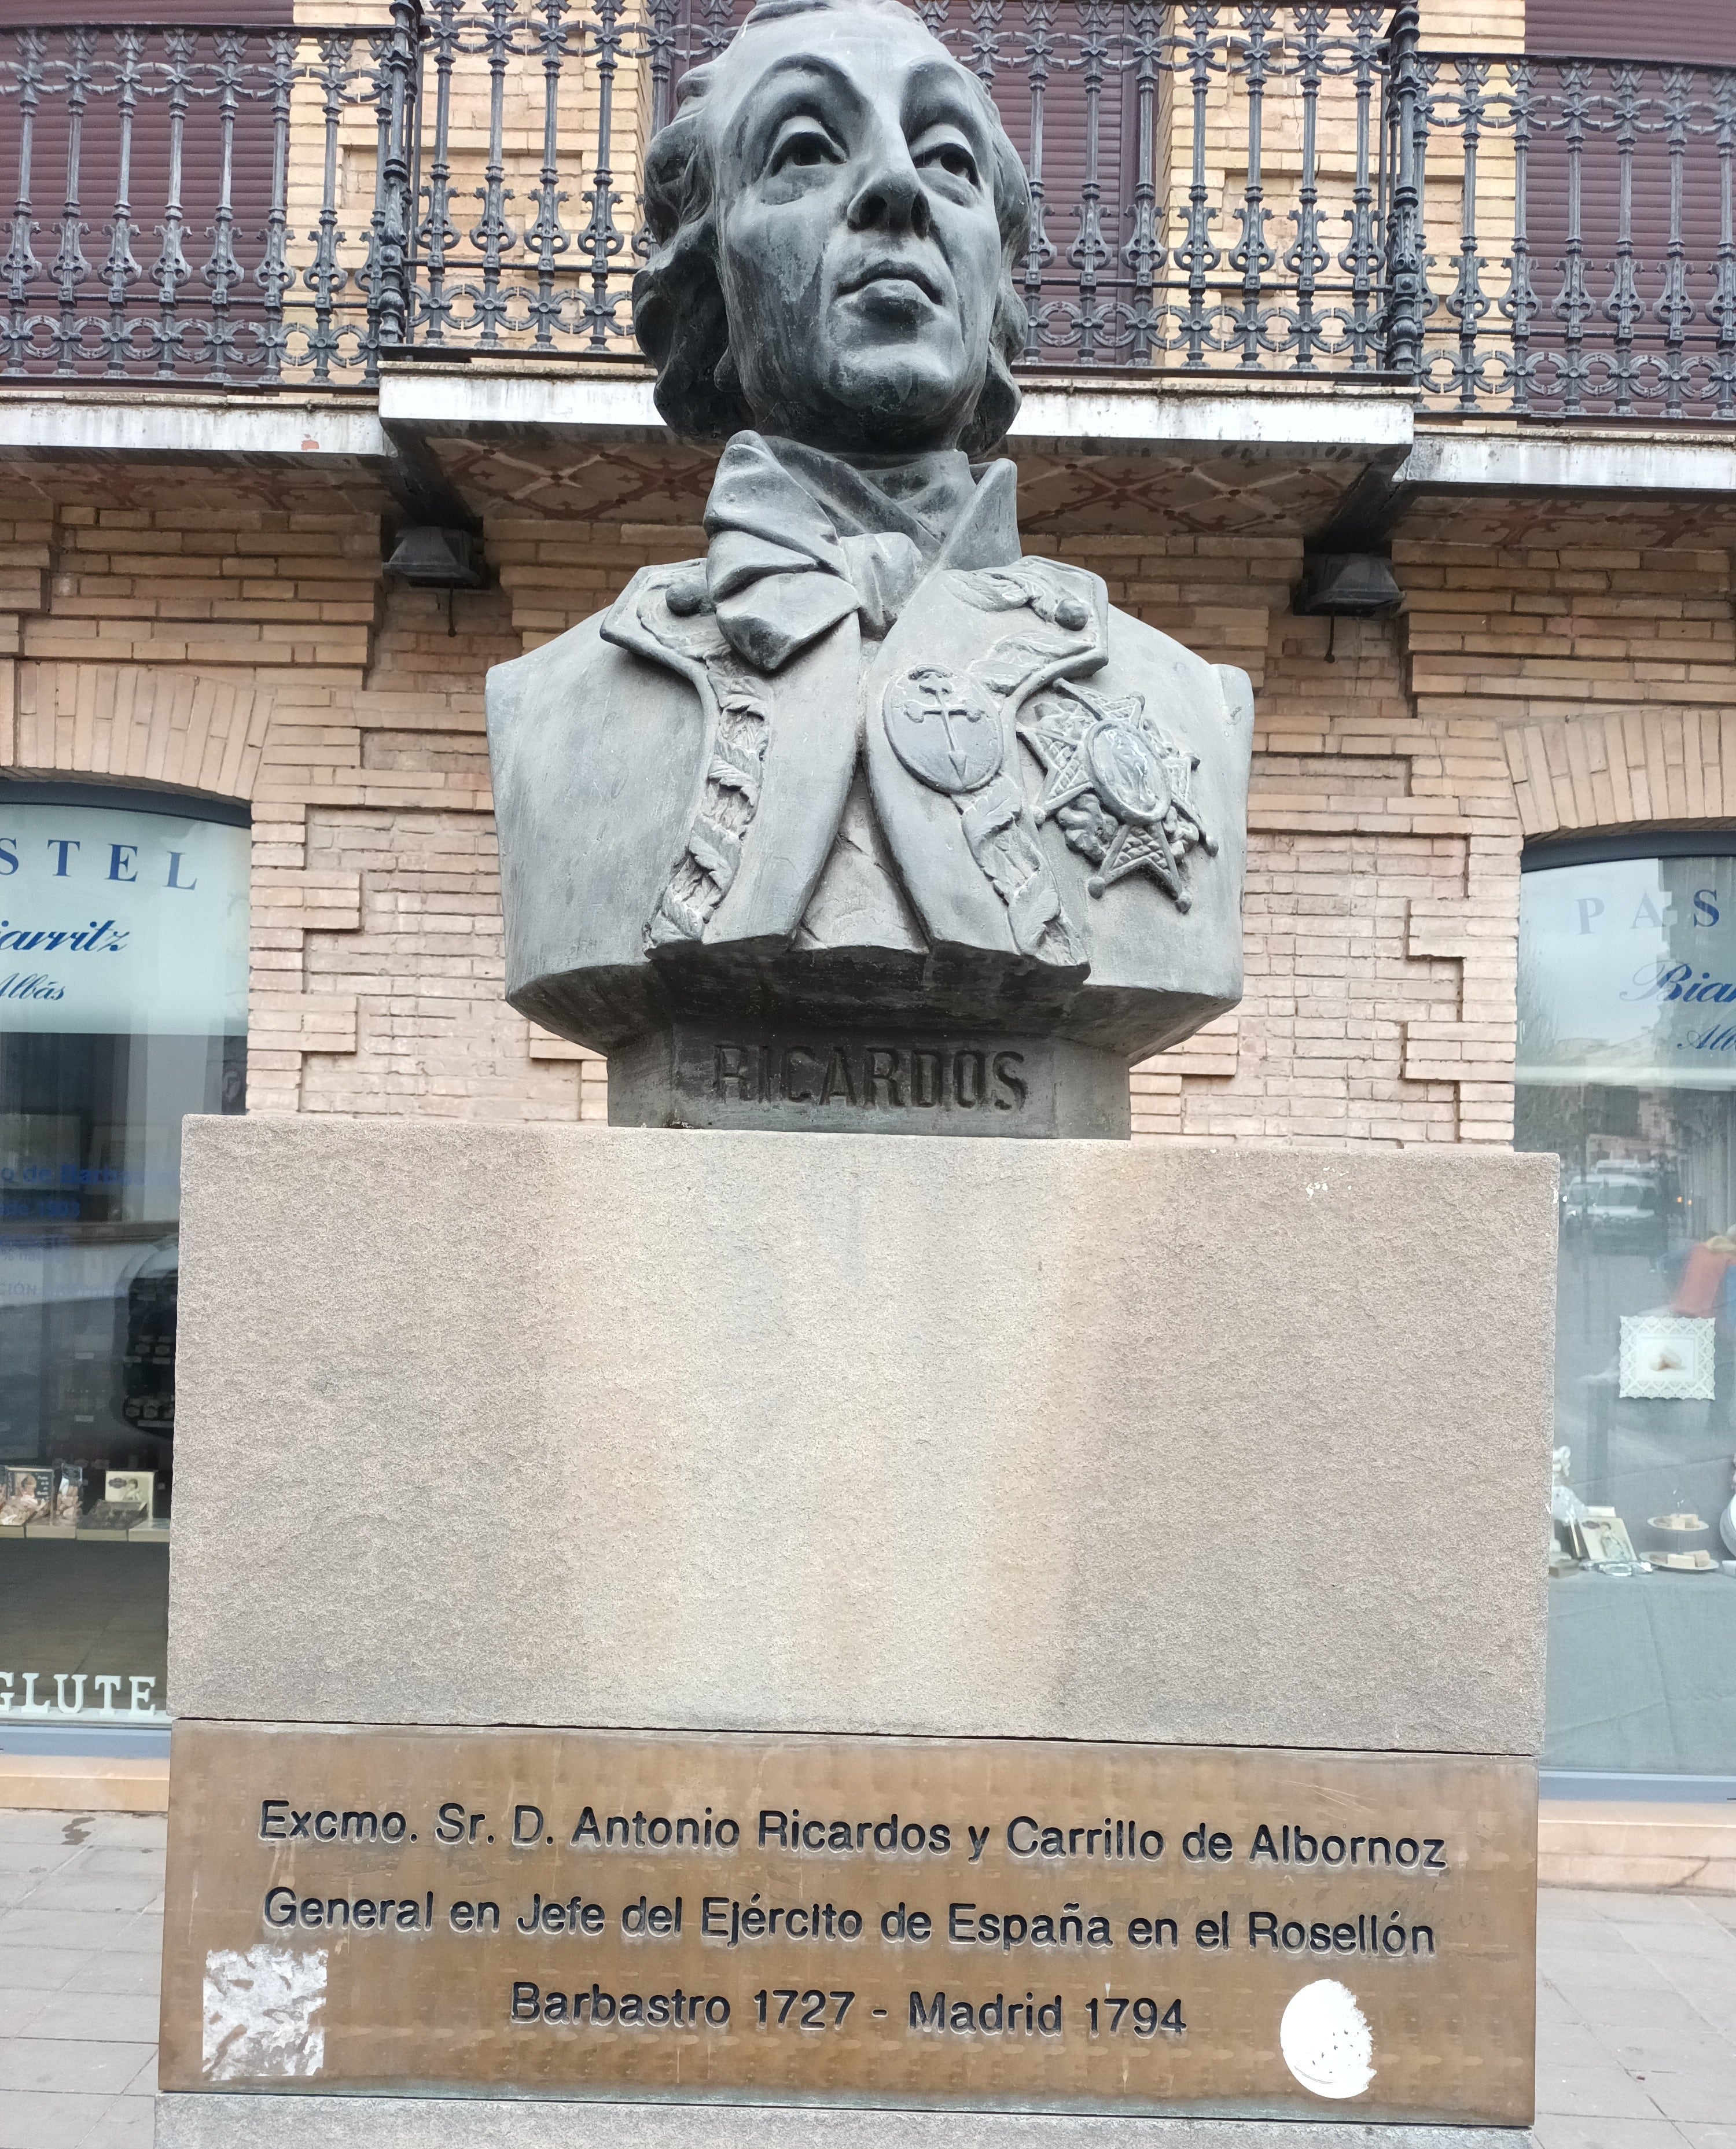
<point x="1065" y="1441"/>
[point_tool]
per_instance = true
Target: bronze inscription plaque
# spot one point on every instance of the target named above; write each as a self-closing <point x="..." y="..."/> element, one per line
<point x="989" y="1922"/>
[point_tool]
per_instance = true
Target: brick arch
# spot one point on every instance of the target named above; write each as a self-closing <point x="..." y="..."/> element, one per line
<point x="1621" y="769"/>
<point x="138" y="723"/>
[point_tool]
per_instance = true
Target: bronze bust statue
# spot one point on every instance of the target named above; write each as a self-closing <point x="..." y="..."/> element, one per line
<point x="864" y="820"/>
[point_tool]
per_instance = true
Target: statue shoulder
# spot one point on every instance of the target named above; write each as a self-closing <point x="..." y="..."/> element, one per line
<point x="1221" y="692"/>
<point x="596" y="654"/>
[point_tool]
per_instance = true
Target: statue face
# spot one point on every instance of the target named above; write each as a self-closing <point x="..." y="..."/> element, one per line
<point x="860" y="249"/>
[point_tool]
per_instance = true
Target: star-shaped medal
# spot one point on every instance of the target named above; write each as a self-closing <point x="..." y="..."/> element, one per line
<point x="1118" y="785"/>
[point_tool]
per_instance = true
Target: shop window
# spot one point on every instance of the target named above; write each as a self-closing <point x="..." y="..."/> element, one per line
<point x="1627" y="1070"/>
<point x="122" y="1007"/>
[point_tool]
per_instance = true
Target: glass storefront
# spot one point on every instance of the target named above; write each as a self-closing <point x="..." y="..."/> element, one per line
<point x="122" y="1007"/>
<point x="1627" y="1070"/>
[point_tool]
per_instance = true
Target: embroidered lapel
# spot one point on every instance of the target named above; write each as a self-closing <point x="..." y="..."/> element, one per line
<point x="776" y="760"/>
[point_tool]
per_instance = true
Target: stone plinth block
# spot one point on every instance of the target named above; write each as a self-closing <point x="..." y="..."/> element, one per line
<point x="335" y="2122"/>
<point x="540" y="1425"/>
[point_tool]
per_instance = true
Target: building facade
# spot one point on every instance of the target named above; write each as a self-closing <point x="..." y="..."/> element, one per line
<point x="1316" y="286"/>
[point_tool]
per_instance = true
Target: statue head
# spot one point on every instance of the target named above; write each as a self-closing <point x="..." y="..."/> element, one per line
<point x="835" y="212"/>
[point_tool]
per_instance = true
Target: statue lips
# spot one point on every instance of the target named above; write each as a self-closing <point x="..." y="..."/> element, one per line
<point x="893" y="283"/>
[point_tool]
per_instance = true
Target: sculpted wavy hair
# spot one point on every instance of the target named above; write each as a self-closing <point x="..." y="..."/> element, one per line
<point x="678" y="311"/>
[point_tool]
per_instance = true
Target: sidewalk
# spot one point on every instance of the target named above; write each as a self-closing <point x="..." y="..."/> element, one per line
<point x="1636" y="2020"/>
<point x="1635" y="2000"/>
<point x="81" y="1936"/>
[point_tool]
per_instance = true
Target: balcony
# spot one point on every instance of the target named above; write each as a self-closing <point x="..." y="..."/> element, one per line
<point x="1234" y="198"/>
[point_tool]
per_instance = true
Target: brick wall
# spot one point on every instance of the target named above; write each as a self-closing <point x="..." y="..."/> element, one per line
<point x="1550" y="671"/>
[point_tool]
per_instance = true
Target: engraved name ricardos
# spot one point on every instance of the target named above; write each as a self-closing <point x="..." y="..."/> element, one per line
<point x="869" y="1078"/>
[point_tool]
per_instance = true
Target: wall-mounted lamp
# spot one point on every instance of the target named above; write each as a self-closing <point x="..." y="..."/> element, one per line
<point x="431" y="557"/>
<point x="1345" y="585"/>
<point x="434" y="559"/>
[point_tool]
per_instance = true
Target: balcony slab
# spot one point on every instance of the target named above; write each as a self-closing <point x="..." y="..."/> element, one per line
<point x="1110" y="454"/>
<point x="67" y="422"/>
<point x="1122" y="414"/>
<point x="1571" y="457"/>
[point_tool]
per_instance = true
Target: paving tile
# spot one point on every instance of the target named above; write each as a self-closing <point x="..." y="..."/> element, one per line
<point x="33" y="1857"/>
<point x="1604" y="2092"/>
<point x="139" y="1971"/>
<point x="122" y="1858"/>
<point x="1641" y="1906"/>
<point x="1611" y="2006"/>
<point x="30" y="2120"/>
<point x="1561" y="1907"/>
<point x="1697" y="1938"/>
<point x="31" y="1927"/>
<point x="129" y="2016"/>
<point x="19" y="2008"/>
<point x="18" y="1890"/>
<point x="1554" y="2006"/>
<point x="1707" y="2093"/>
<point x="143" y="1930"/>
<point x="128" y="2123"/>
<point x="1651" y="2007"/>
<point x="97" y="1891"/>
<point x="30" y="1824"/>
<point x="1586" y="1973"/>
<point x="1699" y="2135"/>
<point x="1683" y="2043"/>
<point x="51" y="2063"/>
<point x="26" y="1968"/>
<point x="1567" y="2045"/>
<point x="1555" y="2132"/>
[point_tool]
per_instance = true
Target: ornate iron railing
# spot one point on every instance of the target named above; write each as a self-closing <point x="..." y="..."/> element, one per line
<point x="1288" y="187"/>
<point x="1581" y="255"/>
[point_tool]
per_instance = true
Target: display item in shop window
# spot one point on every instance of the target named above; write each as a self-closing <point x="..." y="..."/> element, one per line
<point x="1603" y="1542"/>
<point x="69" y="1494"/>
<point x="114" y="1518"/>
<point x="61" y="1519"/>
<point x="1565" y="1509"/>
<point x="129" y="1497"/>
<point x="133" y="1488"/>
<point x="28" y="1496"/>
<point x="1672" y="1547"/>
<point x="1667" y="1358"/>
<point x="867" y="770"/>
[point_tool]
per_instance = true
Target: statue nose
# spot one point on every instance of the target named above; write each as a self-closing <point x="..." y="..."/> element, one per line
<point x="891" y="198"/>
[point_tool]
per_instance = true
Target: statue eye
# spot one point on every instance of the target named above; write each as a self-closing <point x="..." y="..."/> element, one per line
<point x="804" y="144"/>
<point x="952" y="157"/>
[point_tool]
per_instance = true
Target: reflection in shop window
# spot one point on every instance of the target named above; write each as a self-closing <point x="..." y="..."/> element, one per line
<point x="122" y="1007"/>
<point x="1627" y="1070"/>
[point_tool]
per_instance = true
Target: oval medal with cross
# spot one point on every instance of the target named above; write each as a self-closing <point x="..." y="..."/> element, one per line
<point x="945" y="727"/>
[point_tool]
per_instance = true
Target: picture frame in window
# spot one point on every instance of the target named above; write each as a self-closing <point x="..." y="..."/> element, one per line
<point x="1667" y="1357"/>
<point x="131" y="1488"/>
<point x="27" y="1494"/>
<point x="1602" y="1539"/>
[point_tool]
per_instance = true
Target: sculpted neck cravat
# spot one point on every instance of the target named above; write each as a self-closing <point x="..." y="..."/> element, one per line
<point x="800" y="539"/>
